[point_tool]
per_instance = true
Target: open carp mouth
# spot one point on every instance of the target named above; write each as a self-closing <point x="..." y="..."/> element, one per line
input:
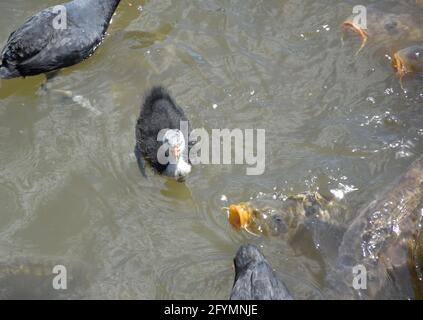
<point x="360" y="31"/>
<point x="240" y="215"/>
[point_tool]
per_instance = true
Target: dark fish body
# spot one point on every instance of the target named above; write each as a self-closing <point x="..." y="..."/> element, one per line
<point x="38" y="46"/>
<point x="302" y="220"/>
<point x="390" y="26"/>
<point x="380" y="239"/>
<point x="392" y="21"/>
<point x="409" y="60"/>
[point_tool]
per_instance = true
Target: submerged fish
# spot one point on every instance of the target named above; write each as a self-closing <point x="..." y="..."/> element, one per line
<point x="379" y="240"/>
<point x="396" y="29"/>
<point x="409" y="60"/>
<point x="385" y="238"/>
<point x="28" y="279"/>
<point x="284" y="215"/>
<point x="389" y="24"/>
<point x="308" y="222"/>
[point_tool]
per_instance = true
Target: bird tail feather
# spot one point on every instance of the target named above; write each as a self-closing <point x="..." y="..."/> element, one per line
<point x="158" y="93"/>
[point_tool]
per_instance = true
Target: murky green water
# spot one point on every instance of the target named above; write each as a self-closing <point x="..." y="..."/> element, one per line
<point x="69" y="183"/>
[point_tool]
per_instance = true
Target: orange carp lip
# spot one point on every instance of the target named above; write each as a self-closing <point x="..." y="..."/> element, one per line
<point x="399" y="65"/>
<point x="363" y="33"/>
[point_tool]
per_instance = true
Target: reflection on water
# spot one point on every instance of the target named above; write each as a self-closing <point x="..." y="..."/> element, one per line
<point x="176" y="190"/>
<point x="69" y="183"/>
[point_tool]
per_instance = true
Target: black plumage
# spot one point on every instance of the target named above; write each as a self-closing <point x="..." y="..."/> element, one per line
<point x="158" y="112"/>
<point x="39" y="46"/>
<point x="254" y="278"/>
